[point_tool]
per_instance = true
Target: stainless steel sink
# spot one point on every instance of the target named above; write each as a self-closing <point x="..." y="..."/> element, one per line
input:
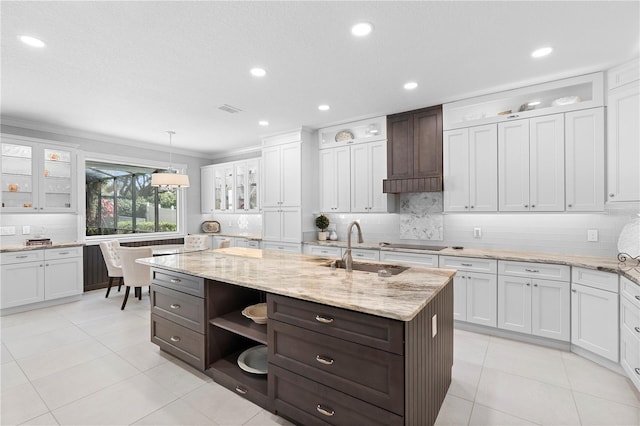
<point x="413" y="246"/>
<point x="371" y="267"/>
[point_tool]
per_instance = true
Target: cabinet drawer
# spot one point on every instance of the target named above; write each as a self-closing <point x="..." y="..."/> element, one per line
<point x="418" y="259"/>
<point x="366" y="373"/>
<point x="630" y="290"/>
<point x="323" y="251"/>
<point x="630" y="356"/>
<point x="178" y="341"/>
<point x="368" y="330"/>
<point x="469" y="264"/>
<point x="364" y="254"/>
<point x="288" y="247"/>
<point x="177" y="281"/>
<point x="534" y="270"/>
<point x="63" y="253"/>
<point x="310" y="403"/>
<point x="590" y="277"/>
<point x="21" y="256"/>
<point x="178" y="307"/>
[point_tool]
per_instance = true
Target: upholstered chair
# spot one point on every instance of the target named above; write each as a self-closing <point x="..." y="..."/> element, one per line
<point x="135" y="274"/>
<point x="196" y="242"/>
<point x="225" y="243"/>
<point x="112" y="260"/>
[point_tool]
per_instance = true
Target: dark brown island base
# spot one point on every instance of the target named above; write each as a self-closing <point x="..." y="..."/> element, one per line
<point x="343" y="348"/>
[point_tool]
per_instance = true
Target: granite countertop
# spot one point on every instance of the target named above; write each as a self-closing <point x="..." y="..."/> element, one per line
<point x="22" y="247"/>
<point x="629" y="270"/>
<point x="305" y="277"/>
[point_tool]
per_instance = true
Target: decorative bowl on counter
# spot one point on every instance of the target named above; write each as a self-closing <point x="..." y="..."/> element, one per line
<point x="254" y="360"/>
<point x="256" y="313"/>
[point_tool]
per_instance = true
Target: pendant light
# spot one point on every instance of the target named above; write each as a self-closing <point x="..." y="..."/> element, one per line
<point x="170" y="179"/>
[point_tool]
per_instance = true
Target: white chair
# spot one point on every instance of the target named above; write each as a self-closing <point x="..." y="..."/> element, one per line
<point x="196" y="242"/>
<point x="112" y="260"/>
<point x="224" y="243"/>
<point x="135" y="274"/>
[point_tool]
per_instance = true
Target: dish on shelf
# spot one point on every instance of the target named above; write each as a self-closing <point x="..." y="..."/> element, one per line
<point x="344" y="135"/>
<point x="254" y="360"/>
<point x="567" y="100"/>
<point x="211" y="226"/>
<point x="505" y="112"/>
<point x="256" y="313"/>
<point x="13" y="187"/>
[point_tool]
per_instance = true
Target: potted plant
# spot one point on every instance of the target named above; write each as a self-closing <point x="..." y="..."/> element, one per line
<point x="322" y="223"/>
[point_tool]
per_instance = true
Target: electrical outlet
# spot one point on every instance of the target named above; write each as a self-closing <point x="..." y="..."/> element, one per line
<point x="26" y="229"/>
<point x="477" y="232"/>
<point x="7" y="230"/>
<point x="592" y="235"/>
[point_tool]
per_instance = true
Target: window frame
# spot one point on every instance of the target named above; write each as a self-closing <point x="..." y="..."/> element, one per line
<point x="181" y="200"/>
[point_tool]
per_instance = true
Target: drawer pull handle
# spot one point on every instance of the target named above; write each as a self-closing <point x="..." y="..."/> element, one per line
<point x="175" y="280"/>
<point x="175" y="306"/>
<point x="64" y="252"/>
<point x="637" y="371"/>
<point x="175" y="338"/>
<point x="329" y="412"/>
<point x="324" y="320"/>
<point x="324" y="360"/>
<point x="467" y="264"/>
<point x="638" y="297"/>
<point x="240" y="390"/>
<point x="531" y="270"/>
<point x="22" y="257"/>
<point x="637" y="329"/>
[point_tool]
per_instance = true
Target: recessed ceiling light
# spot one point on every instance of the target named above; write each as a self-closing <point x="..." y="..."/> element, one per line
<point x="534" y="103"/>
<point x="361" y="29"/>
<point x="31" y="41"/>
<point x="258" y="72"/>
<point x="543" y="51"/>
<point x="263" y="122"/>
<point x="410" y="85"/>
<point x="324" y="107"/>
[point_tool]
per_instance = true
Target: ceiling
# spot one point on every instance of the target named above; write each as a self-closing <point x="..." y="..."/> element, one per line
<point x="133" y="70"/>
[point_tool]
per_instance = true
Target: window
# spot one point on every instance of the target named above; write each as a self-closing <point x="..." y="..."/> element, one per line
<point x="121" y="200"/>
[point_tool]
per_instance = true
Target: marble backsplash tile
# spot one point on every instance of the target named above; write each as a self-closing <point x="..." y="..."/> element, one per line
<point x="421" y="216"/>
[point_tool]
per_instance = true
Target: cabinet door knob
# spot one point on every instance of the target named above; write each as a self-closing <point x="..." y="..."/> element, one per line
<point x="569" y="205"/>
<point x="328" y="411"/>
<point x="612" y="195"/>
<point x="324" y="320"/>
<point x="466" y="207"/>
<point x="471" y="206"/>
<point x="533" y="205"/>
<point x="535" y="285"/>
<point x="528" y="284"/>
<point x="526" y="205"/>
<point x="574" y="290"/>
<point x="324" y="359"/>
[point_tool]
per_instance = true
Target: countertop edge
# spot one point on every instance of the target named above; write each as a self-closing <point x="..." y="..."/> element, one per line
<point x="9" y="249"/>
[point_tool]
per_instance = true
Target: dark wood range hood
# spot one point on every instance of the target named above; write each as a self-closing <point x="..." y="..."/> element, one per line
<point x="414" y="151"/>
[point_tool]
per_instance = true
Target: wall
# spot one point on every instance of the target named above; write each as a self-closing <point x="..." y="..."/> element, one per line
<point x="107" y="145"/>
<point x="237" y="223"/>
<point x="548" y="232"/>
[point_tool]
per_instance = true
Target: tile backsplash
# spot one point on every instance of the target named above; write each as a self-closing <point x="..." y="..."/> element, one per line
<point x="58" y="227"/>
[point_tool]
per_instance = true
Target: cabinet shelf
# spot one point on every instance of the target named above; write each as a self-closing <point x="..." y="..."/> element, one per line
<point x="254" y="387"/>
<point x="241" y="325"/>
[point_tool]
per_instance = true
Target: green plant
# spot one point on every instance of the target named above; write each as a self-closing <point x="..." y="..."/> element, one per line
<point x="322" y="222"/>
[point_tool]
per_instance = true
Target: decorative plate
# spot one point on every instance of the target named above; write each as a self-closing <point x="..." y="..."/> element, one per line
<point x="344" y="135"/>
<point x="567" y="100"/>
<point x="629" y="240"/>
<point x="256" y="313"/>
<point x="254" y="360"/>
<point x="211" y="226"/>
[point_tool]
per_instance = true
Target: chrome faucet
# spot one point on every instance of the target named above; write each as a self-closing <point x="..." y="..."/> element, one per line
<point x="347" y="259"/>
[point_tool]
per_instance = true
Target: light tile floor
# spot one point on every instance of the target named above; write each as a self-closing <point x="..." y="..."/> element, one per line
<point x="89" y="363"/>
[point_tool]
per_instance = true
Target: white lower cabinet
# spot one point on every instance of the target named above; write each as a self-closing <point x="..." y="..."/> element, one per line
<point x="278" y="246"/>
<point x="630" y="329"/>
<point x="594" y="312"/>
<point x="39" y="275"/>
<point x="363" y="254"/>
<point x="417" y="259"/>
<point x="534" y="306"/>
<point x="322" y="251"/>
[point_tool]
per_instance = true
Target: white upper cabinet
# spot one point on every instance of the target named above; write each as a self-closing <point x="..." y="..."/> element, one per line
<point x="206" y="189"/>
<point x="369" y="130"/>
<point x="247" y="176"/>
<point x="584" y="162"/>
<point x="623" y="143"/>
<point x="531" y="164"/>
<point x="335" y="179"/>
<point x="37" y="177"/>
<point x="471" y="169"/>
<point x="281" y="175"/>
<point x="368" y="169"/>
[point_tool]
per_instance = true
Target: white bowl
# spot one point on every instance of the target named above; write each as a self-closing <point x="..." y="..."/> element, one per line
<point x="254" y="360"/>
<point x="256" y="313"/>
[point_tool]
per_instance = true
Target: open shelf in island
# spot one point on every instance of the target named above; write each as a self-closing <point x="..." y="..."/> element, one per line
<point x="251" y="386"/>
<point x="241" y="325"/>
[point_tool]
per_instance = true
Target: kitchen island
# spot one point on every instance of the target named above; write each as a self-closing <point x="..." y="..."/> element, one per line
<point x="343" y="348"/>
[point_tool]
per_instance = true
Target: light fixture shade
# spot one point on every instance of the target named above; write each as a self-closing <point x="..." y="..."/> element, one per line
<point x="173" y="180"/>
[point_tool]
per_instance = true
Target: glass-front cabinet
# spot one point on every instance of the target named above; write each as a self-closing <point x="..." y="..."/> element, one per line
<point x="236" y="187"/>
<point x="37" y="177"/>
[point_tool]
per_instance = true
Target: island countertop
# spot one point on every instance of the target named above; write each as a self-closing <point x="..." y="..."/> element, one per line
<point x="305" y="277"/>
